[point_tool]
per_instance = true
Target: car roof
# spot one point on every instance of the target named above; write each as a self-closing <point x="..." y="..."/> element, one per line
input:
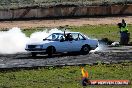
<point x="67" y="32"/>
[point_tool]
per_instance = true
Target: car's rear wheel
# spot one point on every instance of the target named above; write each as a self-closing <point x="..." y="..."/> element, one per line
<point x="85" y="49"/>
<point x="50" y="51"/>
<point x="34" y="54"/>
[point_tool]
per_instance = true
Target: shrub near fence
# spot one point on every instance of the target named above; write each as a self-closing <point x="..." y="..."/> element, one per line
<point x="42" y="3"/>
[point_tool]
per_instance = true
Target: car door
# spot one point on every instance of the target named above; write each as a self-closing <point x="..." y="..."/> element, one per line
<point x="63" y="46"/>
<point x="77" y="43"/>
<point x="68" y="46"/>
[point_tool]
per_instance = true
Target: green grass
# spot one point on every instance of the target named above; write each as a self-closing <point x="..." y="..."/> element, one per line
<point x="69" y="76"/>
<point x="29" y="31"/>
<point x="64" y="77"/>
<point x="95" y="31"/>
<point x="101" y="31"/>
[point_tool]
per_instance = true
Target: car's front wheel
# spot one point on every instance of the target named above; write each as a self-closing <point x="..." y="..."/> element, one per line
<point x="85" y="49"/>
<point x="50" y="51"/>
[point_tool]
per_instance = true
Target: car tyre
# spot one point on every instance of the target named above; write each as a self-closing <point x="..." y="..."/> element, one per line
<point x="34" y="54"/>
<point x="85" y="49"/>
<point x="50" y="51"/>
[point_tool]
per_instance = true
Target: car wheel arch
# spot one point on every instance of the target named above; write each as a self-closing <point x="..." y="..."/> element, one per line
<point x="87" y="51"/>
<point x="51" y="47"/>
<point x="87" y="45"/>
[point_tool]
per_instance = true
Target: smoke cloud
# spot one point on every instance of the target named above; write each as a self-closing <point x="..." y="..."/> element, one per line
<point x="14" y="40"/>
<point x="39" y="36"/>
<point x="101" y="47"/>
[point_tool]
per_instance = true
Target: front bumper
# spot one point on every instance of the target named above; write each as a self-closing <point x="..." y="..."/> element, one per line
<point x="35" y="50"/>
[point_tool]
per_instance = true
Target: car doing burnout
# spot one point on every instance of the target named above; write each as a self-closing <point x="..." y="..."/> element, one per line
<point x="57" y="43"/>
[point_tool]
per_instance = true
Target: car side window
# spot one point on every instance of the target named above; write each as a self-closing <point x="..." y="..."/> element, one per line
<point x="77" y="37"/>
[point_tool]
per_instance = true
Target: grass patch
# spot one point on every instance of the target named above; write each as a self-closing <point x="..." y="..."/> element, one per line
<point x="95" y="31"/>
<point x="99" y="31"/>
<point x="64" y="77"/>
<point x="69" y="76"/>
<point x="6" y="4"/>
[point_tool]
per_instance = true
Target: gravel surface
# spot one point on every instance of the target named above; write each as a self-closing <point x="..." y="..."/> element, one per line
<point x="108" y="55"/>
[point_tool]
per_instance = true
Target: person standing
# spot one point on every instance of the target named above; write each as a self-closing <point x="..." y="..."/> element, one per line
<point x="124" y="35"/>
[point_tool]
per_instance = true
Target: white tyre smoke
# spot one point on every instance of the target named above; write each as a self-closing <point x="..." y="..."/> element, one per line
<point x="14" y="40"/>
<point x="39" y="36"/>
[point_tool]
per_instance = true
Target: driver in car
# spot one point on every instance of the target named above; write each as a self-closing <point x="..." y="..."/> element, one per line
<point x="68" y="37"/>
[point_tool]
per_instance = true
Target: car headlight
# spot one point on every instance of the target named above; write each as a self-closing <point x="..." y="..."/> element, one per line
<point x="39" y="46"/>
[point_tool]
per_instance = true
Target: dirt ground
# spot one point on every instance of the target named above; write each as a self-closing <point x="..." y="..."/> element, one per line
<point x="63" y="22"/>
<point x="108" y="55"/>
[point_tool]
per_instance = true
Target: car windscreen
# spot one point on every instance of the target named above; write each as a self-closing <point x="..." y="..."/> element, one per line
<point x="54" y="37"/>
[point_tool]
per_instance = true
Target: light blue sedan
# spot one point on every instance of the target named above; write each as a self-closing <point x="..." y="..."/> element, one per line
<point x="63" y="42"/>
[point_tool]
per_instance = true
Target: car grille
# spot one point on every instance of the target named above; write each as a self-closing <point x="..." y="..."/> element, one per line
<point x="31" y="46"/>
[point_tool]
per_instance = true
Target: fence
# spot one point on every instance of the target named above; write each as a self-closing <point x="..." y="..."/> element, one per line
<point x="15" y="10"/>
<point x="7" y="4"/>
